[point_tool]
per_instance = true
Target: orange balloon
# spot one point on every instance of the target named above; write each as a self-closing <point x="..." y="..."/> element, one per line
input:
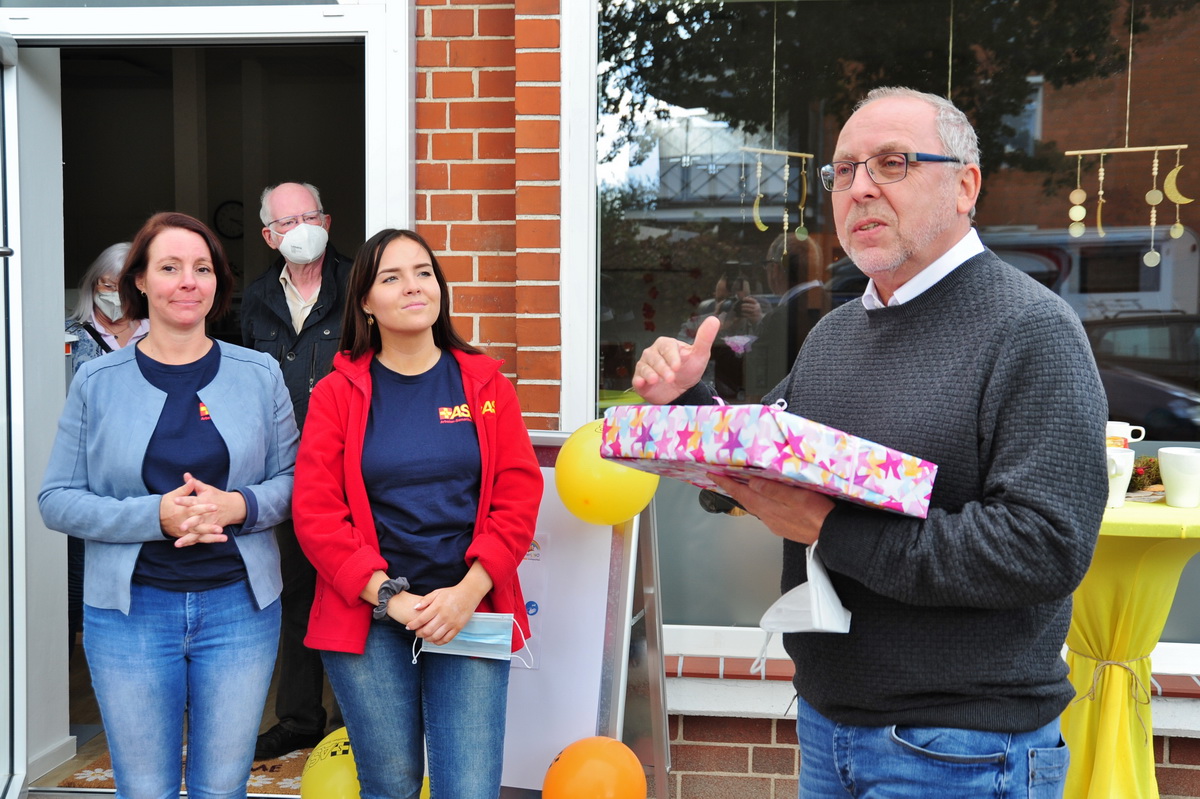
<point x="595" y="768"/>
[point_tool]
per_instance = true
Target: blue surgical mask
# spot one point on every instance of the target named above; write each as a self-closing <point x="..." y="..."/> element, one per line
<point x="486" y="635"/>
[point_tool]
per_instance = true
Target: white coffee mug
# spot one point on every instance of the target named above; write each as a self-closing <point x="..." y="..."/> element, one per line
<point x="1119" y="434"/>
<point x="1120" y="470"/>
<point x="1180" y="470"/>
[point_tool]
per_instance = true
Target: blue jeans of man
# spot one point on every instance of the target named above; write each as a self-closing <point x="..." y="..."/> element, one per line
<point x="840" y="760"/>
<point x="208" y="654"/>
<point x="454" y="705"/>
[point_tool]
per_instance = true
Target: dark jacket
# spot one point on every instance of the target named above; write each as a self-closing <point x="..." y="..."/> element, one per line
<point x="307" y="356"/>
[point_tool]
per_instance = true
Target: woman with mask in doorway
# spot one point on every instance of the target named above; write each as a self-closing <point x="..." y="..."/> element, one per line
<point x="173" y="460"/>
<point x="98" y="325"/>
<point x="417" y="493"/>
<point x="97" y="322"/>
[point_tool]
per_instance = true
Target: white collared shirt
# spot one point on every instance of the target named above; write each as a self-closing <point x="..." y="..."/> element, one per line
<point x="968" y="247"/>
<point x="297" y="305"/>
<point x="139" y="332"/>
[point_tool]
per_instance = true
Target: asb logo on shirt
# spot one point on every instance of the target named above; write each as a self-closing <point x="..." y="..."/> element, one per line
<point x="462" y="413"/>
<point x="454" y="413"/>
<point x="204" y="417"/>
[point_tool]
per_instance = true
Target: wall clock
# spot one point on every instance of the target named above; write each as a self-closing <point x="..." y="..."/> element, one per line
<point x="227" y="219"/>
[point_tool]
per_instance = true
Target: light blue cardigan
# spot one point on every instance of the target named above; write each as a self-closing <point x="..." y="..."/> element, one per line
<point x="93" y="487"/>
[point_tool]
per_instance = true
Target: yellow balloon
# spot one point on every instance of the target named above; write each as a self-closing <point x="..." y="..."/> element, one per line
<point x="330" y="773"/>
<point x="596" y="490"/>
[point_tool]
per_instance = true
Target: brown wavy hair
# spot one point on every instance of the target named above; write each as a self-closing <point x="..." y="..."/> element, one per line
<point x="358" y="337"/>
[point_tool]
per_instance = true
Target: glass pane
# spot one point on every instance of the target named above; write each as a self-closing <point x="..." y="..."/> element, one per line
<point x="715" y="118"/>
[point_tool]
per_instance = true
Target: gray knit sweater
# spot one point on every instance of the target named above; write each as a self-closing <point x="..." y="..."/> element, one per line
<point x="958" y="619"/>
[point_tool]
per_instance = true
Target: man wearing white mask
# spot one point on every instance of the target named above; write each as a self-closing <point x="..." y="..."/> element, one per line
<point x="294" y="312"/>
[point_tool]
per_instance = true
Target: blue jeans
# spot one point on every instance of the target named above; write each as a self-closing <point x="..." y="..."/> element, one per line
<point x="839" y="760"/>
<point x="454" y="705"/>
<point x="208" y="654"/>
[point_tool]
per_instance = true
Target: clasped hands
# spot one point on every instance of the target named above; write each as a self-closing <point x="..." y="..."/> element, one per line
<point x="197" y="513"/>
<point x="668" y="368"/>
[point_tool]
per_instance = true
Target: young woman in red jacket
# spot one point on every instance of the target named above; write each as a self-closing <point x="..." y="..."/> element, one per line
<point x="416" y="497"/>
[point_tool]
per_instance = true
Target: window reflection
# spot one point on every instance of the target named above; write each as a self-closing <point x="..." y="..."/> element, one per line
<point x="689" y="91"/>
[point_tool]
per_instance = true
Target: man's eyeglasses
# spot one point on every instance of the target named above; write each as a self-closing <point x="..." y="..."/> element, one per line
<point x="883" y="168"/>
<point x="286" y="223"/>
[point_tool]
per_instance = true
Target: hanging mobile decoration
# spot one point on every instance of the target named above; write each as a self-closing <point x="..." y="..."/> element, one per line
<point x="786" y="178"/>
<point x="1153" y="197"/>
<point x="801" y="230"/>
<point x="758" y="223"/>
<point x="1078" y="198"/>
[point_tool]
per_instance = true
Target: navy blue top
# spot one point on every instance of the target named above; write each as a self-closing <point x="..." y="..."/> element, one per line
<point x="185" y="440"/>
<point x="421" y="467"/>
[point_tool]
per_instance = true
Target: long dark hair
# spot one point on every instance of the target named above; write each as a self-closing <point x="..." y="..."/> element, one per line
<point x="133" y="303"/>
<point x="357" y="336"/>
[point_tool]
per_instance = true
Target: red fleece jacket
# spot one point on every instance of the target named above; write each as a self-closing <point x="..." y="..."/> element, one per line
<point x="332" y="512"/>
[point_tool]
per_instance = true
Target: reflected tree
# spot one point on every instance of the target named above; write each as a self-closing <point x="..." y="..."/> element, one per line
<point x="829" y="53"/>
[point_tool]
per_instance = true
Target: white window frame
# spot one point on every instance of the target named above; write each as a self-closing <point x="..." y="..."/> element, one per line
<point x="386" y="29"/>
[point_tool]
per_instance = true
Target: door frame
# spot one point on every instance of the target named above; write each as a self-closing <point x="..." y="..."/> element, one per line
<point x="385" y="28"/>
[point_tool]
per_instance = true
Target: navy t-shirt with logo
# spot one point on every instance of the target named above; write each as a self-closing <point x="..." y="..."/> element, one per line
<point x="421" y="467"/>
<point x="186" y="440"/>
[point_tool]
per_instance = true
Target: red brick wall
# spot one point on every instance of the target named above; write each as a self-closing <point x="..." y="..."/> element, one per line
<point x="715" y="758"/>
<point x="1178" y="766"/>
<point x="488" y="192"/>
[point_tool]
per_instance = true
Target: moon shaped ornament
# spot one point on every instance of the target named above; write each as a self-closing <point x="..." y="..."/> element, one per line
<point x="1172" y="190"/>
<point x="758" y="223"/>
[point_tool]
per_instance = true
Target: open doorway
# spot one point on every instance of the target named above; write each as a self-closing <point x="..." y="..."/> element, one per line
<point x="203" y="130"/>
<point x="200" y="129"/>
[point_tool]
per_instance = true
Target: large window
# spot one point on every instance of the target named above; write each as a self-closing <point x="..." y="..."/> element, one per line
<point x="710" y="204"/>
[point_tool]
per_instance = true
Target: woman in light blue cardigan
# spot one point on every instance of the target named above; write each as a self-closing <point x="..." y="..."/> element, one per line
<point x="173" y="461"/>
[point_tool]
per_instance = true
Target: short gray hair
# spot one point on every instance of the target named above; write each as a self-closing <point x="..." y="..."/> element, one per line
<point x="955" y="131"/>
<point x="264" y="213"/>
<point x="108" y="263"/>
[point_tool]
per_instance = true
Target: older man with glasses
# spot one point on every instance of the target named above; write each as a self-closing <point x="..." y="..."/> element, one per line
<point x="294" y="312"/>
<point x="951" y="680"/>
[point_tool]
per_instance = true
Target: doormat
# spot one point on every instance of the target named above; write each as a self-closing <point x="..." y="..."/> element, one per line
<point x="278" y="776"/>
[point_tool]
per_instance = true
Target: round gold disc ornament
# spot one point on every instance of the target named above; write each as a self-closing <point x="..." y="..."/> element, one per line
<point x="1152" y="258"/>
<point x="1076" y="229"/>
<point x="1077" y="213"/>
<point x="1154" y="197"/>
<point x="1176" y="230"/>
<point x="1078" y="197"/>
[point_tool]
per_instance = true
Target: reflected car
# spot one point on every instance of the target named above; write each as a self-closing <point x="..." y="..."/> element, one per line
<point x="1168" y="411"/>
<point x="1164" y="344"/>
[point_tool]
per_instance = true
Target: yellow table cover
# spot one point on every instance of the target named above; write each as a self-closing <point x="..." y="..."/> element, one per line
<point x="1120" y="609"/>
